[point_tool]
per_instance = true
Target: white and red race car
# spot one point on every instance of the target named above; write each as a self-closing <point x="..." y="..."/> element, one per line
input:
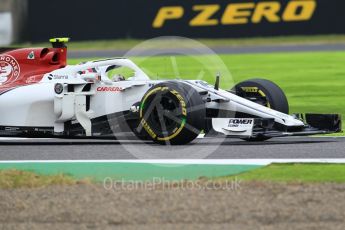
<point x="43" y="96"/>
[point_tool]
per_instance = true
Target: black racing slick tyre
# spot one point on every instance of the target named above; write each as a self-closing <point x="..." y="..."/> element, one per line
<point x="172" y="113"/>
<point x="263" y="92"/>
<point x="271" y="95"/>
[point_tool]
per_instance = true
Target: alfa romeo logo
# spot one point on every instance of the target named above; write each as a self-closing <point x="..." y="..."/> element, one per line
<point x="9" y="69"/>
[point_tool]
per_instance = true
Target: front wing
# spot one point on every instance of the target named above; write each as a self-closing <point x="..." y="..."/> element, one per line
<point x="267" y="127"/>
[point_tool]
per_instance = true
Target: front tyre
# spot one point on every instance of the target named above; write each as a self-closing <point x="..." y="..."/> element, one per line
<point x="172" y="113"/>
<point x="263" y="92"/>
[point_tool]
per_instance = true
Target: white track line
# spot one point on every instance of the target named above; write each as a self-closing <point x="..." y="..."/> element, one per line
<point x="189" y="161"/>
<point x="22" y="138"/>
<point x="200" y="136"/>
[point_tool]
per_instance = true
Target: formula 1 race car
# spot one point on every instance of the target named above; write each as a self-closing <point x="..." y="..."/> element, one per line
<point x="42" y="96"/>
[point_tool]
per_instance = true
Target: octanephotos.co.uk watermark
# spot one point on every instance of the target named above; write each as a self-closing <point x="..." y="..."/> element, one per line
<point x="162" y="183"/>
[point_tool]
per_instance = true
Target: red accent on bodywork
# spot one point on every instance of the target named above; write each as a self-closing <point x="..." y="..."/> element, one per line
<point x="109" y="89"/>
<point x="32" y="70"/>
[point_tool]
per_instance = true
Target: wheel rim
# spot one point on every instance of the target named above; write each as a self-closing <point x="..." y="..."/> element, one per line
<point x="165" y="113"/>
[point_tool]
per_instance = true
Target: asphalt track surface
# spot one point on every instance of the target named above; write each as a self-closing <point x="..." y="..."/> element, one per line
<point x="206" y="148"/>
<point x="218" y="50"/>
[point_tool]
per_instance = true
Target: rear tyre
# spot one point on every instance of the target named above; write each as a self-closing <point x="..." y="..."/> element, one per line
<point x="172" y="113"/>
<point x="263" y="92"/>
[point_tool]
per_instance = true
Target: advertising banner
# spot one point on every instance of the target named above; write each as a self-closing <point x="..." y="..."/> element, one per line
<point x="105" y="19"/>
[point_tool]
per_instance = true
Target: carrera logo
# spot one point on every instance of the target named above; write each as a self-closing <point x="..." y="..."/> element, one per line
<point x="238" y="13"/>
<point x="109" y="89"/>
<point x="9" y="69"/>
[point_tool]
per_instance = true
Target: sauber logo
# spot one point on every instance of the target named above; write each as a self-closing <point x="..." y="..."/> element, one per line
<point x="109" y="89"/>
<point x="9" y="69"/>
<point x="238" y="13"/>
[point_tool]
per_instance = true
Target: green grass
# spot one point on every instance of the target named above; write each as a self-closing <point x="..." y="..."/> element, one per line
<point x="282" y="173"/>
<point x="313" y="81"/>
<point x="10" y="179"/>
<point x="124" y="44"/>
<point x="294" y="172"/>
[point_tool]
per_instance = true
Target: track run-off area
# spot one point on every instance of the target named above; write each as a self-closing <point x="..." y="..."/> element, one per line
<point x="136" y="160"/>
